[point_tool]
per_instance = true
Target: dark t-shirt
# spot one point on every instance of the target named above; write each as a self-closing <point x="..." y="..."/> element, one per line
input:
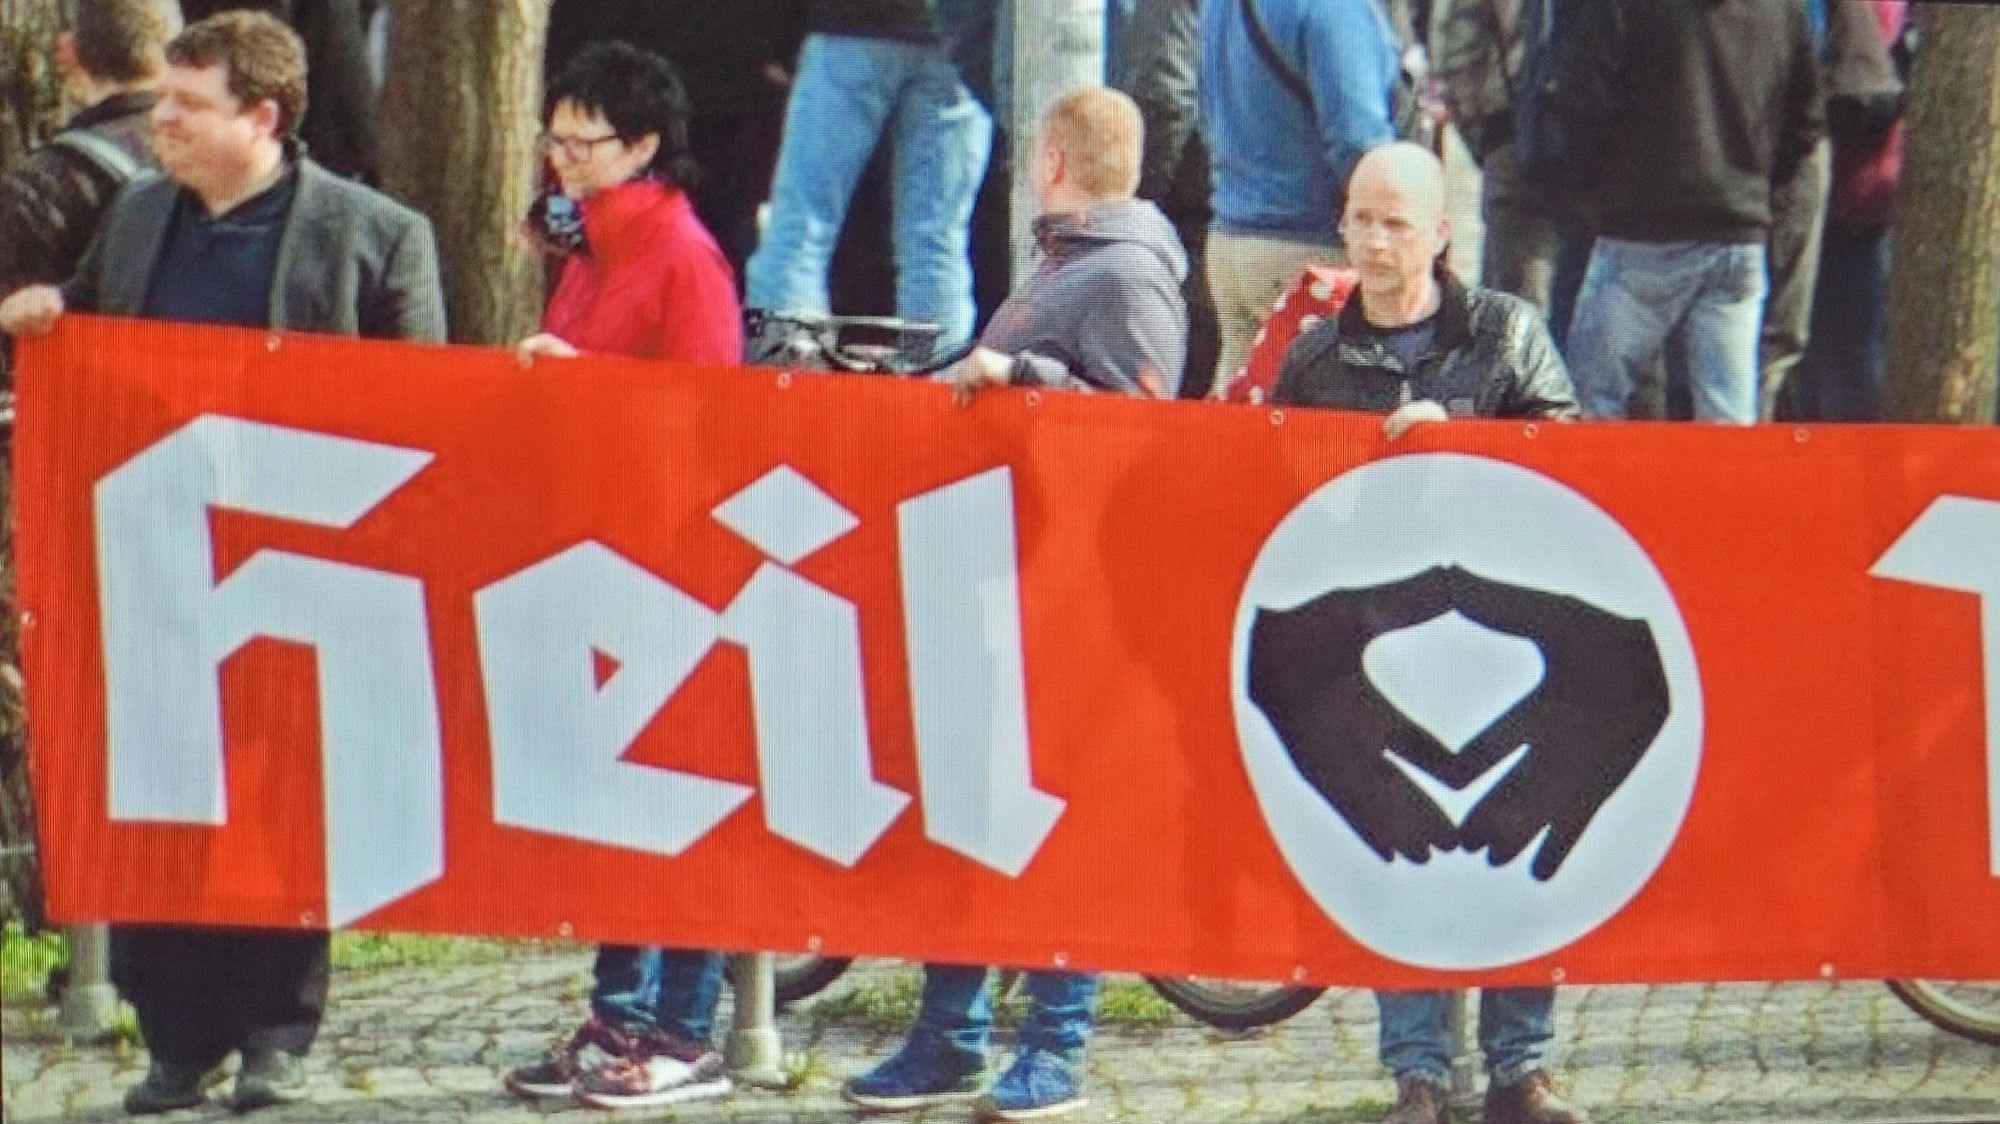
<point x="1408" y="343"/>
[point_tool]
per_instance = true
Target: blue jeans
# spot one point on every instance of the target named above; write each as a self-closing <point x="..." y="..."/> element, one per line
<point x="957" y="1011"/>
<point x="1515" y="1027"/>
<point x="1840" y="378"/>
<point x="1637" y="296"/>
<point x="850" y="91"/>
<point x="671" y="989"/>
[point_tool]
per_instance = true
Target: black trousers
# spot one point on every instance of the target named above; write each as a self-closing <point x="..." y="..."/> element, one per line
<point x="203" y="993"/>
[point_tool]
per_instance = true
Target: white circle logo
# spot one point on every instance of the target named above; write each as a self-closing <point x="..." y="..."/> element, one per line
<point x="1469" y="708"/>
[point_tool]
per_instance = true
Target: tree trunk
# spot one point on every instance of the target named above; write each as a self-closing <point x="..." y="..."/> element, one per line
<point x="29" y="90"/>
<point x="1944" y="290"/>
<point x="30" y="104"/>
<point x="460" y="112"/>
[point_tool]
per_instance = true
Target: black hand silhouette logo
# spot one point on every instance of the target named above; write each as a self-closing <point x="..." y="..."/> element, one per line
<point x="1602" y="701"/>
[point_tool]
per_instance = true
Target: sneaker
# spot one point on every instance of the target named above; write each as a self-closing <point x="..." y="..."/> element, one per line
<point x="167" y="1087"/>
<point x="595" y="1044"/>
<point x="268" y="1078"/>
<point x="662" y="1069"/>
<point x="924" y="1073"/>
<point x="1039" y="1084"/>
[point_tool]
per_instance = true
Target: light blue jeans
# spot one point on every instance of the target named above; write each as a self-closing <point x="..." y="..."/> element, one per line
<point x="1515" y="1027"/>
<point x="1638" y="295"/>
<point x="646" y="988"/>
<point x="849" y="92"/>
<point x="957" y="1011"/>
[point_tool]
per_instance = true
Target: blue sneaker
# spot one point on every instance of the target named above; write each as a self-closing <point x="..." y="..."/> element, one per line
<point x="926" y="1072"/>
<point x="1039" y="1084"/>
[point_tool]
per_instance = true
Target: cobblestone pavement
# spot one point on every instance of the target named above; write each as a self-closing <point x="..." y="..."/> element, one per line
<point x="429" y="1044"/>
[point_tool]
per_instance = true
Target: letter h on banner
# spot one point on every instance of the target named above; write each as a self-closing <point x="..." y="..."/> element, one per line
<point x="1955" y="544"/>
<point x="168" y="625"/>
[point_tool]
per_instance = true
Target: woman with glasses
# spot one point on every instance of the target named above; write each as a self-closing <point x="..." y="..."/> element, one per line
<point x="643" y="278"/>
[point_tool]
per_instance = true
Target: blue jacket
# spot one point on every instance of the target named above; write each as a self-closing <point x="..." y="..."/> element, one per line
<point x="1281" y="171"/>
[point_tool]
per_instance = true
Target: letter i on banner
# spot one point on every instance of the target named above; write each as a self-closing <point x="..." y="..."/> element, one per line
<point x="1955" y="545"/>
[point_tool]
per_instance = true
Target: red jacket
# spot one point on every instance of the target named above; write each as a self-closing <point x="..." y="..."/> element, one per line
<point x="653" y="284"/>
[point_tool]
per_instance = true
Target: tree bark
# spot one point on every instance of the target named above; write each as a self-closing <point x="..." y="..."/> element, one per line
<point x="1944" y="289"/>
<point x="460" y="112"/>
<point x="30" y="95"/>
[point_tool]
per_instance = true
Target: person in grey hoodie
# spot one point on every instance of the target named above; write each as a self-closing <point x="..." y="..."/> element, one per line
<point x="1101" y="312"/>
<point x="1103" y="309"/>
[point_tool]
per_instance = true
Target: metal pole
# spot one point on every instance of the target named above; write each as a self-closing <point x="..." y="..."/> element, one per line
<point x="1058" y="47"/>
<point x="1464" y="1061"/>
<point x="755" y="1052"/>
<point x="89" y="1002"/>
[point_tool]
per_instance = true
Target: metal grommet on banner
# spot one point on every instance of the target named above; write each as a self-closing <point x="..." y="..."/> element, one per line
<point x="1060" y="959"/>
<point x="308" y="918"/>
<point x="1530" y="431"/>
<point x="1826" y="971"/>
<point x="1558" y="976"/>
<point x="273" y="341"/>
<point x="27" y="619"/>
<point x="1802" y="435"/>
<point x="813" y="944"/>
<point x="1299" y="974"/>
<point x="1277" y="417"/>
<point x="565" y="930"/>
<point x="784" y="379"/>
<point x="1034" y="398"/>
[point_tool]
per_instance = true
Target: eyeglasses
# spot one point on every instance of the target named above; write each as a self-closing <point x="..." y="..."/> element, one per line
<point x="574" y="149"/>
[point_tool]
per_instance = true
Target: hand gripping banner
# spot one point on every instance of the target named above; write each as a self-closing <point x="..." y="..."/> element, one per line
<point x="324" y="633"/>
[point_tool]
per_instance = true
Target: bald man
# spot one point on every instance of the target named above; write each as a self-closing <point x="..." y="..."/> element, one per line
<point x="1416" y="344"/>
<point x="1419" y="346"/>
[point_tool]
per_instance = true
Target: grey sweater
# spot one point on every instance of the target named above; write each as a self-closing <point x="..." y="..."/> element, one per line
<point x="1103" y="308"/>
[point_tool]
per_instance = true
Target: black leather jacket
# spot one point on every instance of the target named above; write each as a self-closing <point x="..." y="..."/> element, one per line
<point x="51" y="201"/>
<point x="1491" y="358"/>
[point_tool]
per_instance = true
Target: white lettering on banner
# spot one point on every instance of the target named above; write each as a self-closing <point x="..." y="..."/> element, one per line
<point x="557" y="736"/>
<point x="558" y="733"/>
<point x="1955" y="544"/>
<point x="968" y="689"/>
<point x="168" y="625"/>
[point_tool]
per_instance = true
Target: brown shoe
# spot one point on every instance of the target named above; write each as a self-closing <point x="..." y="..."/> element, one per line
<point x="1418" y="1102"/>
<point x="1532" y="1100"/>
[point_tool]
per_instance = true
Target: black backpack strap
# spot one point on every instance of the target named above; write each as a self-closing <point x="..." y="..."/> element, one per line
<point x="1284" y="72"/>
<point x="1405" y="112"/>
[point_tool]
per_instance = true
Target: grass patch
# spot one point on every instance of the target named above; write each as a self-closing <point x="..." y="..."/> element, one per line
<point x="25" y="962"/>
<point x="889" y="1006"/>
<point x="1134" y="1006"/>
<point x="368" y="952"/>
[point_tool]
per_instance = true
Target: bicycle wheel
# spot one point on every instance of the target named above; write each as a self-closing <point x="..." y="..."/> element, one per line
<point x="1965" y="1008"/>
<point x="802" y="975"/>
<point x="1232" y="1004"/>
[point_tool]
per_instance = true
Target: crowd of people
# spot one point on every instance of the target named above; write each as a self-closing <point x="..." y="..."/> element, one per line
<point x="1686" y="207"/>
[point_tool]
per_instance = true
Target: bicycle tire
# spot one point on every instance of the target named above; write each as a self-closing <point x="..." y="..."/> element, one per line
<point x="1234" y="1006"/>
<point x="1975" y="1018"/>
<point x="796" y="977"/>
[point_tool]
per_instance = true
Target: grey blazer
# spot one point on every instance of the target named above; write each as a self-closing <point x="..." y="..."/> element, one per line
<point x="351" y="261"/>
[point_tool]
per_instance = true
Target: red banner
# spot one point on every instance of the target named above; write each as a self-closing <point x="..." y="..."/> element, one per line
<point x="334" y="633"/>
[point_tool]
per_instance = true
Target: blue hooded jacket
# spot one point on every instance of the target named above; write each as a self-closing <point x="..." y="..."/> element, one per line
<point x="1280" y="170"/>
